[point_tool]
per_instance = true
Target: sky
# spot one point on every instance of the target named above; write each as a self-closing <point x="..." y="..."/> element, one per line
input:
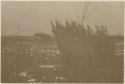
<point x="30" y="17"/>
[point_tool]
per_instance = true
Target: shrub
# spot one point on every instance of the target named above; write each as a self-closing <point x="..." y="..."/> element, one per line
<point x="86" y="55"/>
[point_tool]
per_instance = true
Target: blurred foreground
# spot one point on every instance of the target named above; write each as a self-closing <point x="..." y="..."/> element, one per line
<point x="31" y="61"/>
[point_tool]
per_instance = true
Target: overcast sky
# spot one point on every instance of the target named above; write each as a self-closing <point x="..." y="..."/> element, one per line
<point x="35" y="17"/>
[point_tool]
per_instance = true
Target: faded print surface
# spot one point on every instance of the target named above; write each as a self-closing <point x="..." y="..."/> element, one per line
<point x="62" y="42"/>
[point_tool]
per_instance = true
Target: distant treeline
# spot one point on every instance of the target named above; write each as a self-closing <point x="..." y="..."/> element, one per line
<point x="40" y="37"/>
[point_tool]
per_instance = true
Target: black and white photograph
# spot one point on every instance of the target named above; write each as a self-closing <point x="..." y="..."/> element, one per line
<point x="62" y="42"/>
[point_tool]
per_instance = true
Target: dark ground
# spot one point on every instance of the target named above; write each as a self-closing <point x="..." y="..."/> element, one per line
<point x="32" y="61"/>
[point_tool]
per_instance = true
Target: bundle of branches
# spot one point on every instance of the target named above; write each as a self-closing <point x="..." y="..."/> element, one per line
<point x="86" y="55"/>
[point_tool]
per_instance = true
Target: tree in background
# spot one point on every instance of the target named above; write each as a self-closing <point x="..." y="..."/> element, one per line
<point x="86" y="52"/>
<point x="42" y="38"/>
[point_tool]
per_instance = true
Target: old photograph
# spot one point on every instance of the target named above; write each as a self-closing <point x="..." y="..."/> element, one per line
<point x="62" y="42"/>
